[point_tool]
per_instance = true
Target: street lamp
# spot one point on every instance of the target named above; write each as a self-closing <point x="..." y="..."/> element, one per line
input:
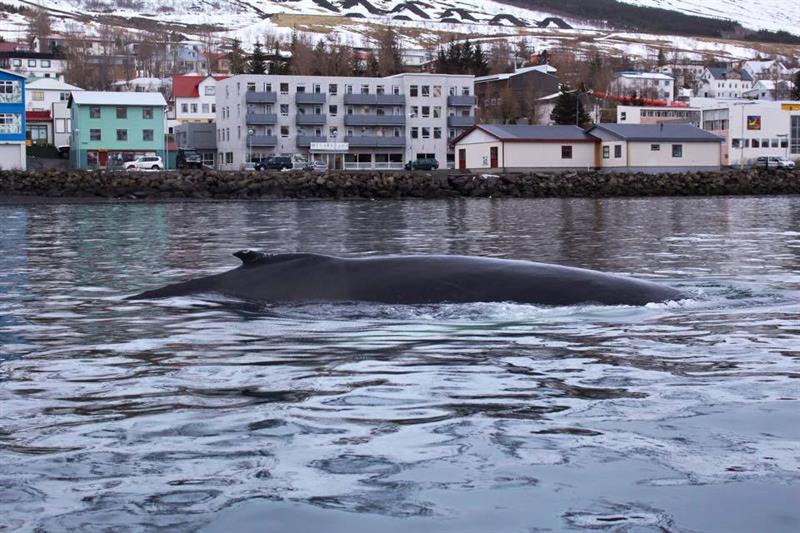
<point x="578" y="105"/>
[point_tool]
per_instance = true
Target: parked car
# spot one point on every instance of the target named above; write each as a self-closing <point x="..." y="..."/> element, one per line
<point x="63" y="151"/>
<point x="422" y="164"/>
<point x="145" y="162"/>
<point x="319" y="166"/>
<point x="249" y="166"/>
<point x="277" y="162"/>
<point x="773" y="162"/>
<point x="188" y="159"/>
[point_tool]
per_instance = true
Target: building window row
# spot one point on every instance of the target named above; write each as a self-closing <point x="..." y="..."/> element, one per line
<point x="95" y="134"/>
<point x="10" y="123"/>
<point x="198" y="108"/>
<point x="43" y="63"/>
<point x="121" y="112"/>
<point x="760" y="143"/>
<point x="425" y="132"/>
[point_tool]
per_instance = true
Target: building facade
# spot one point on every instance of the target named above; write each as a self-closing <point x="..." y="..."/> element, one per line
<point x="46" y="107"/>
<point x="351" y="122"/>
<point x="194" y="98"/>
<point x="199" y="137"/>
<point x="517" y="96"/>
<point x="644" y="85"/>
<point x="110" y="128"/>
<point x="724" y="83"/>
<point x="34" y="64"/>
<point x="12" y="121"/>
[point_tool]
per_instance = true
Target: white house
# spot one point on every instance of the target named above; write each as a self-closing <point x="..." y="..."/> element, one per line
<point x="33" y="64"/>
<point x="723" y="83"/>
<point x="657" y="147"/>
<point x="767" y="69"/>
<point x="46" y="109"/>
<point x="770" y="90"/>
<point x="515" y="146"/>
<point x="194" y="98"/>
<point x="644" y="84"/>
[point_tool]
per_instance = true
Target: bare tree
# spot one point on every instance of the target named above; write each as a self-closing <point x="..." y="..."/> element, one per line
<point x="39" y="26"/>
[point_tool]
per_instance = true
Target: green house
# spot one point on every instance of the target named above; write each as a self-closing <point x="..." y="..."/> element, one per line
<point x="110" y="128"/>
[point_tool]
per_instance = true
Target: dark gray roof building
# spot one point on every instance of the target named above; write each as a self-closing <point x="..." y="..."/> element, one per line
<point x="683" y="133"/>
<point x="529" y="133"/>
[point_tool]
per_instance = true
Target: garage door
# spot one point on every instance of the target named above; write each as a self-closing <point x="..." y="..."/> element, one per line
<point x="10" y="156"/>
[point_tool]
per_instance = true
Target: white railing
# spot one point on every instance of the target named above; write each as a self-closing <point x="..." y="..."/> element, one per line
<point x="350" y="165"/>
<point x="357" y="166"/>
<point x="389" y="166"/>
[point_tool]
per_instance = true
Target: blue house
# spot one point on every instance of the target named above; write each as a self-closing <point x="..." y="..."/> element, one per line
<point x="12" y="120"/>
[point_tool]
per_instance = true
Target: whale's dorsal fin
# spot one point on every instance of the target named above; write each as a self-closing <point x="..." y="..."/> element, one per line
<point x="253" y="257"/>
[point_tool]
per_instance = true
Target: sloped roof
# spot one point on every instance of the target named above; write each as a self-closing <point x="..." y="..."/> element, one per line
<point x="51" y="84"/>
<point x="188" y="86"/>
<point x="531" y="133"/>
<point x="632" y="74"/>
<point x="15" y="74"/>
<point x="721" y="73"/>
<point x="544" y="69"/>
<point x="658" y="132"/>
<point x="117" y="98"/>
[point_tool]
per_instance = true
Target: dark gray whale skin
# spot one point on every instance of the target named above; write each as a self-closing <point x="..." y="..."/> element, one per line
<point x="422" y="279"/>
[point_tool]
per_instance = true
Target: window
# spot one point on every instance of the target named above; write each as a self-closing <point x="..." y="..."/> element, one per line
<point x="95" y="135"/>
<point x="147" y="113"/>
<point x="300" y="89"/>
<point x="94" y="112"/>
<point x="333" y="89"/>
<point x="251" y="87"/>
<point x="395" y="89"/>
<point x="210" y="90"/>
<point x="17" y="62"/>
<point x="36" y="133"/>
<point x="205" y="108"/>
<point x="229" y="157"/>
<point x="37" y="95"/>
<point x="754" y="144"/>
<point x="31" y="62"/>
<point x="147" y="135"/>
<point x="453" y="91"/>
<point x="414" y="91"/>
<point x="655" y="147"/>
<point x="437" y="111"/>
<point x="736" y="143"/>
<point x="184" y="108"/>
<point x="774" y="143"/>
<point x="794" y="132"/>
<point x="677" y="150"/>
<point x="365" y="89"/>
<point x="63" y="97"/>
<point x="426" y="111"/>
<point x="61" y="125"/>
<point x="426" y="132"/>
<point x="284" y="110"/>
<point x="348" y="89"/>
<point x="316" y="88"/>
<point x="267" y="87"/>
<point x="784" y="143"/>
<point x="415" y="132"/>
<point x="284" y="131"/>
<point x="379" y="89"/>
<point x="426" y="91"/>
<point x="465" y="91"/>
<point x="333" y="110"/>
<point x="333" y="132"/>
<point x="122" y="135"/>
<point x="437" y="133"/>
<point x="566" y="152"/>
<point x="437" y="91"/>
<point x="194" y="108"/>
<point x="623" y="116"/>
<point x="617" y="151"/>
<point x="380" y="111"/>
<point x="284" y="88"/>
<point x="606" y="152"/>
<point x="122" y="112"/>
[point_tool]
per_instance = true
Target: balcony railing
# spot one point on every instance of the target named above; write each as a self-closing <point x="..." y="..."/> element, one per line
<point x="268" y="119"/>
<point x="263" y="140"/>
<point x="374" y="120"/>
<point x="256" y="97"/>
<point x="375" y="141"/>
<point x="374" y="99"/>
<point x="460" y="122"/>
<point x="304" y="141"/>
<point x="353" y="165"/>
<point x="309" y="98"/>
<point x="311" y="119"/>
<point x="461" y="100"/>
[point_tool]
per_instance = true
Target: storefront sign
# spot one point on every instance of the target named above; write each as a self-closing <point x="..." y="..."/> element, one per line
<point x="330" y="147"/>
<point x="790" y="107"/>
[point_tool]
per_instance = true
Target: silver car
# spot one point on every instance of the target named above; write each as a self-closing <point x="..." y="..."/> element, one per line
<point x="773" y="162"/>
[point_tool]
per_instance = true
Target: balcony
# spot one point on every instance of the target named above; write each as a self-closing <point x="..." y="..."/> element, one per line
<point x="263" y="140"/>
<point x="304" y="141"/>
<point x="374" y="120"/>
<point x="262" y="119"/>
<point x="374" y="99"/>
<point x="460" y="101"/>
<point x="311" y="119"/>
<point x="375" y="141"/>
<point x="309" y="98"/>
<point x="255" y="97"/>
<point x="460" y="122"/>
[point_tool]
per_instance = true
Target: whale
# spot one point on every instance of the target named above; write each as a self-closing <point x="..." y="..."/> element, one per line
<point x="296" y="278"/>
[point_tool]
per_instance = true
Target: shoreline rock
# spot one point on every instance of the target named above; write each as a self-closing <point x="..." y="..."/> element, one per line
<point x="211" y="185"/>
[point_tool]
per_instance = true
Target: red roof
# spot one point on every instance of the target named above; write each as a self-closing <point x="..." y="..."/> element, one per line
<point x="38" y="116"/>
<point x="12" y="47"/>
<point x="187" y="86"/>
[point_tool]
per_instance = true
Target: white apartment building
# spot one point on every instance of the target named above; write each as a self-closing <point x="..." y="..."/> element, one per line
<point x="33" y="64"/>
<point x="46" y="107"/>
<point x="644" y="84"/>
<point x="724" y="83"/>
<point x="351" y="122"/>
<point x="194" y="98"/>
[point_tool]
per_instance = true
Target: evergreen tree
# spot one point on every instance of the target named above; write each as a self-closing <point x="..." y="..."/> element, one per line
<point x="236" y="58"/>
<point x="480" y="63"/>
<point x="662" y="58"/>
<point x="544" y="58"/>
<point x="796" y="88"/>
<point x="567" y="107"/>
<point x="258" y="61"/>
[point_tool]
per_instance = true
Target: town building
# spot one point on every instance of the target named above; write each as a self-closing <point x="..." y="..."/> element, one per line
<point x="199" y="137"/>
<point x="657" y="147"/>
<point x="628" y="147"/>
<point x="525" y="95"/>
<point x="351" y="122"/>
<point x="509" y="147"/>
<point x="770" y="90"/>
<point x="33" y="64"/>
<point x="194" y="98"/>
<point x="659" y="115"/>
<point x="12" y="120"/>
<point x="768" y="69"/>
<point x="48" y="118"/>
<point x="110" y="128"/>
<point x="724" y="83"/>
<point x="643" y="85"/>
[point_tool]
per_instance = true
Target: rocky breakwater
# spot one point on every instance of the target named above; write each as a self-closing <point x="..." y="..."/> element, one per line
<point x="202" y="184"/>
